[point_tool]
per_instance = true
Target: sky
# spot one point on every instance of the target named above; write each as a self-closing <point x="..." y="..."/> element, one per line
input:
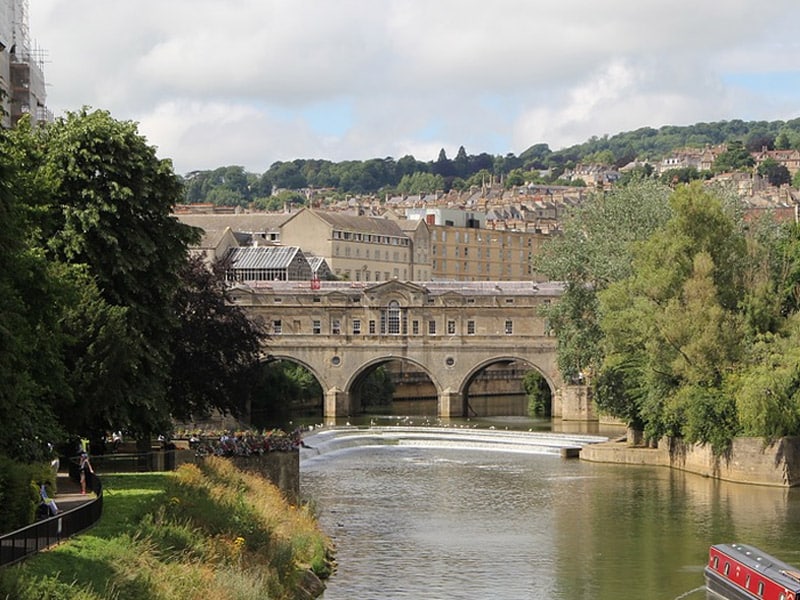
<point x="250" y="82"/>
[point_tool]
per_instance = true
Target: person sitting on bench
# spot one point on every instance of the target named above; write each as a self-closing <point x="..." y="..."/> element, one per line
<point x="48" y="501"/>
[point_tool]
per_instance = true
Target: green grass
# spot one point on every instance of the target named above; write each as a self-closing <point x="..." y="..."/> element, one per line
<point x="210" y="532"/>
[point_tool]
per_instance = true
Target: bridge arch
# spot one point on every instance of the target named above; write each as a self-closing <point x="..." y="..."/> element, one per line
<point x="450" y="330"/>
<point x="481" y="366"/>
<point x="358" y="375"/>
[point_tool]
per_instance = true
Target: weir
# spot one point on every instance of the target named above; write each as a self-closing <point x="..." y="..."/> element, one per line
<point x="340" y="438"/>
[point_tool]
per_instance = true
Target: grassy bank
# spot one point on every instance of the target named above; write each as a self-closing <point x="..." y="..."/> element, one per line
<point x="208" y="531"/>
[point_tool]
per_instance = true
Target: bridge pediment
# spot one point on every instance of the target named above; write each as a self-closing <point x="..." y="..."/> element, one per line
<point x="405" y="292"/>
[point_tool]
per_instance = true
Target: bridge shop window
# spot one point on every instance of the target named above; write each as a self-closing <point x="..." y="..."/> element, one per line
<point x="336" y="327"/>
<point x="392" y="318"/>
<point x="316" y="326"/>
<point x="451" y="328"/>
<point x="470" y="327"/>
<point x="414" y="327"/>
<point x="276" y="327"/>
<point x="431" y="327"/>
<point x="356" y="326"/>
<point x="509" y="327"/>
<point x="372" y="326"/>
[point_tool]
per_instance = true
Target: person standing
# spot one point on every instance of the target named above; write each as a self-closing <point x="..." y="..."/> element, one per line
<point x="85" y="467"/>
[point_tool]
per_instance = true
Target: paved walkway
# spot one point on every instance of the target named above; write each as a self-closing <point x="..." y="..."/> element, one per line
<point x="69" y="493"/>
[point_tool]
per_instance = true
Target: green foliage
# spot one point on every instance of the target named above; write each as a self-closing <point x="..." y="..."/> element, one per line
<point x="212" y="533"/>
<point x="539" y="395"/>
<point x="596" y="249"/>
<point x="19" y="491"/>
<point x="280" y="387"/>
<point x="377" y="388"/>
<point x="776" y="173"/>
<point x="420" y="183"/>
<point x="736" y="158"/>
<point x="215" y="347"/>
<point x="767" y="387"/>
<point x="381" y="174"/>
<point x="673" y="329"/>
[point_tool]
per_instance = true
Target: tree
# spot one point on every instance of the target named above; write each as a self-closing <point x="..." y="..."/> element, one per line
<point x="735" y="158"/>
<point x="776" y="173"/>
<point x="215" y="348"/>
<point x="673" y="328"/>
<point x="30" y="309"/>
<point x="111" y="211"/>
<point x="596" y="249"/>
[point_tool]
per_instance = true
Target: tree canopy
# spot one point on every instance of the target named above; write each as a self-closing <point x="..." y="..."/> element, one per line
<point x="94" y="281"/>
<point x="684" y="323"/>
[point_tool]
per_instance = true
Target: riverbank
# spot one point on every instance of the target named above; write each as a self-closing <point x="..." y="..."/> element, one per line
<point x="750" y="460"/>
<point x="205" y="531"/>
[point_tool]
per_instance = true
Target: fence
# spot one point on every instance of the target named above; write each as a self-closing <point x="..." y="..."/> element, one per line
<point x="23" y="542"/>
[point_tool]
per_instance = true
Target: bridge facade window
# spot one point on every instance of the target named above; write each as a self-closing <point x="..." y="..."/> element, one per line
<point x="451" y="328"/>
<point x="316" y="327"/>
<point x="372" y="326"/>
<point x="277" y="327"/>
<point x="414" y="327"/>
<point x="509" y="327"/>
<point x="356" y="326"/>
<point x="470" y="327"/>
<point x="431" y="327"/>
<point x="336" y="327"/>
<point x="394" y="320"/>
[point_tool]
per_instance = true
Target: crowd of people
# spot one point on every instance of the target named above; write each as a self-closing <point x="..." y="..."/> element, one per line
<point x="245" y="443"/>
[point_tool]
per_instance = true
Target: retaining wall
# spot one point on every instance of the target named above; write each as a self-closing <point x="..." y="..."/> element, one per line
<point x="281" y="468"/>
<point x="749" y="461"/>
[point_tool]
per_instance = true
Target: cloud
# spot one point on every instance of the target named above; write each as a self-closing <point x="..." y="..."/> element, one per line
<point x="253" y="81"/>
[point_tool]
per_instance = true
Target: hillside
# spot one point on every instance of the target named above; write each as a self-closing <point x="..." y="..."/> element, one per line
<point x="282" y="182"/>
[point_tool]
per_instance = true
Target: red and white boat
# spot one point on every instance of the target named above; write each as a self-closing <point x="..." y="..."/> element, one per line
<point x="740" y="572"/>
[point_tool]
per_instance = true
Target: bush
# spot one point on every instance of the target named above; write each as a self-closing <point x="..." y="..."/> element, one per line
<point x="19" y="494"/>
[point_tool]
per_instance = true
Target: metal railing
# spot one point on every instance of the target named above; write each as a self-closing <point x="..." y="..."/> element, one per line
<point x="37" y="536"/>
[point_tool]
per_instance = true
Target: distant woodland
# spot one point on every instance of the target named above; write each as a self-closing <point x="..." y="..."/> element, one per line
<point x="282" y="181"/>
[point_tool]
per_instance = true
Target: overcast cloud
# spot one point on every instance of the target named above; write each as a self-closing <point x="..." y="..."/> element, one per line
<point x="250" y="82"/>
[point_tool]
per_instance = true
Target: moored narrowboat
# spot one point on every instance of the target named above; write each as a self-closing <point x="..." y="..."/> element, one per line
<point x="741" y="572"/>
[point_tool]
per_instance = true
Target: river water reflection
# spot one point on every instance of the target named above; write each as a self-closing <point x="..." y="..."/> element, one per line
<point x="447" y="523"/>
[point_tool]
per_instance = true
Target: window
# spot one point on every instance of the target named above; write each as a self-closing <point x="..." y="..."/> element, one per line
<point x="761" y="589"/>
<point x="336" y="326"/>
<point x="390" y="319"/>
<point x="356" y="326"/>
<point x="509" y="327"/>
<point x="451" y="328"/>
<point x="276" y="327"/>
<point x="470" y="327"/>
<point x="414" y="327"/>
<point x="372" y="326"/>
<point x="316" y="326"/>
<point x="431" y="327"/>
<point x="727" y="569"/>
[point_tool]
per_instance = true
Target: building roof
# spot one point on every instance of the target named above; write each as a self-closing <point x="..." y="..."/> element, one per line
<point x="247" y="222"/>
<point x="263" y="257"/>
<point x="372" y="225"/>
<point x="435" y="288"/>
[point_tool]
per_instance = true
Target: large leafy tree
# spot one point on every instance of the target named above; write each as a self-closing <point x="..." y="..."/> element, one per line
<point x="596" y="249"/>
<point x="215" y="348"/>
<point x="30" y="300"/>
<point x="672" y="329"/>
<point x="110" y="210"/>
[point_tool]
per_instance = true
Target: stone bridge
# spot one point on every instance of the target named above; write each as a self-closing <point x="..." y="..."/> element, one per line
<point x="452" y="331"/>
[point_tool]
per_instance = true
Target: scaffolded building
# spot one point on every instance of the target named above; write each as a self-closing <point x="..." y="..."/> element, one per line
<point x="22" y="84"/>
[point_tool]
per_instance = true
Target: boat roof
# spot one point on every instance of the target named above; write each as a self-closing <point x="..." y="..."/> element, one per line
<point x="758" y="560"/>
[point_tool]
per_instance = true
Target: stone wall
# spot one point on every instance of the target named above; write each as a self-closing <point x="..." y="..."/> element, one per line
<point x="281" y="468"/>
<point x="750" y="460"/>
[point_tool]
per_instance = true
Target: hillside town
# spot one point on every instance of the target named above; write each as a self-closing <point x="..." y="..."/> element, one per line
<point x="486" y="234"/>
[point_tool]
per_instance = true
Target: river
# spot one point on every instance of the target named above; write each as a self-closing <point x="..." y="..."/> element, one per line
<point x="450" y="520"/>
